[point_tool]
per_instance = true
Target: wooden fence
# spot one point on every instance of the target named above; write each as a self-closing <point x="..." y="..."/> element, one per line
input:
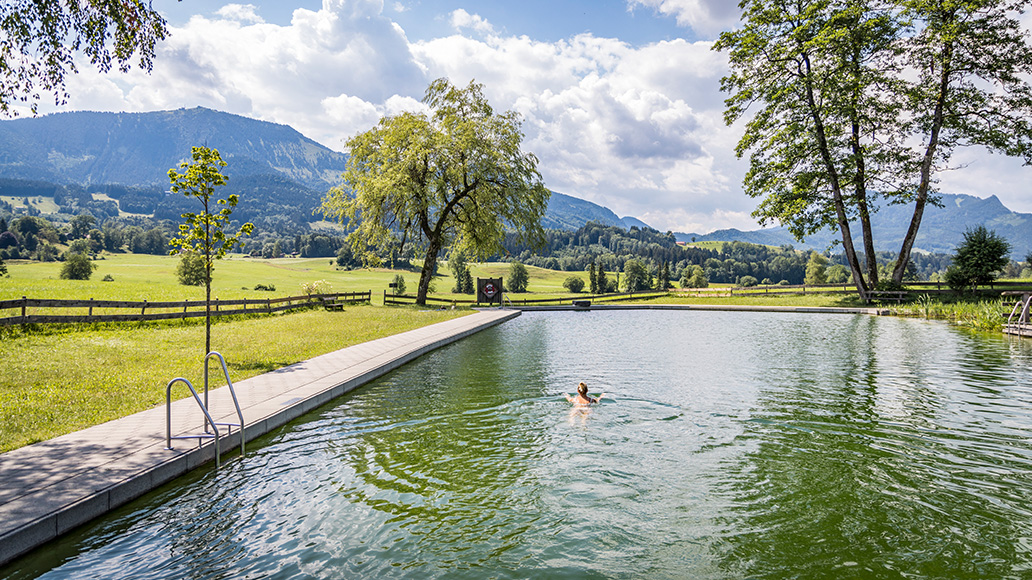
<point x="509" y="301"/>
<point x="54" y="311"/>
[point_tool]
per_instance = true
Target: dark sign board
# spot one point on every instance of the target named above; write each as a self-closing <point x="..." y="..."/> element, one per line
<point x="489" y="290"/>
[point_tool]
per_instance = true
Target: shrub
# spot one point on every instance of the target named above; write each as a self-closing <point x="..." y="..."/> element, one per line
<point x="316" y="287"/>
<point x="191" y="270"/>
<point x="694" y="276"/>
<point x="77" y="267"/>
<point x="108" y="278"/>
<point x="265" y="287"/>
<point x="399" y="283"/>
<point x="459" y="264"/>
<point x="978" y="259"/>
<point x="518" y="277"/>
<point x="748" y="281"/>
<point x="574" y="284"/>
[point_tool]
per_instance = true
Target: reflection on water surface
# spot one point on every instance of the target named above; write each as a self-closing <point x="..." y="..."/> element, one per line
<point x="730" y="445"/>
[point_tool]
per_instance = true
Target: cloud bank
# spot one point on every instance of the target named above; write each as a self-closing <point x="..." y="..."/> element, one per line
<point x="636" y="128"/>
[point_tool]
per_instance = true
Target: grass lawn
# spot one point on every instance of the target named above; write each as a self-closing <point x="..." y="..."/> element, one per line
<point x="57" y="382"/>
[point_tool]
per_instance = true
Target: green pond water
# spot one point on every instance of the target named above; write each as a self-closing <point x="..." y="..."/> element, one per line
<point x="730" y="445"/>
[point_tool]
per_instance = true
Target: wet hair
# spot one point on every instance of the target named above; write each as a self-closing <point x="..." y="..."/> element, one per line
<point x="582" y="389"/>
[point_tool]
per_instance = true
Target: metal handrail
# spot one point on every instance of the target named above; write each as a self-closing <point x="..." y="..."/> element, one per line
<point x="168" y="420"/>
<point x="232" y="392"/>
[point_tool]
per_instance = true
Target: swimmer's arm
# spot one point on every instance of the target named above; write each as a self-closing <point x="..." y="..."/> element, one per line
<point x="568" y="397"/>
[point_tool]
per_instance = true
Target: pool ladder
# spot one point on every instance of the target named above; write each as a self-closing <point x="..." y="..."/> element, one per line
<point x="211" y="428"/>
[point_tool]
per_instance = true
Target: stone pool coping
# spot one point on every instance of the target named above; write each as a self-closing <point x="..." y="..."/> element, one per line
<point x="51" y="487"/>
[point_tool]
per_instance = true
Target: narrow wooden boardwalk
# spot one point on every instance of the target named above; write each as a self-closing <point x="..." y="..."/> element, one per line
<point x="51" y="487"/>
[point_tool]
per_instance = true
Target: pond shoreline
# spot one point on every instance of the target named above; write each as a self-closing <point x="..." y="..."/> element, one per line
<point x="711" y="307"/>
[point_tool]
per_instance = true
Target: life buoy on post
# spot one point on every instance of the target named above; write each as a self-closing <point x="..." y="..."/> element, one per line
<point x="489" y="290"/>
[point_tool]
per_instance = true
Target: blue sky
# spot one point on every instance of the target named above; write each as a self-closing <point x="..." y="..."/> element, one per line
<point x="620" y="98"/>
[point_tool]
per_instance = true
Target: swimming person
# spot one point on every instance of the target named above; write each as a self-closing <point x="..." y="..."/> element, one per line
<point x="582" y="399"/>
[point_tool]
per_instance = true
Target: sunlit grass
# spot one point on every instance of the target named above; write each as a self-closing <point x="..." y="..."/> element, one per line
<point x="53" y="383"/>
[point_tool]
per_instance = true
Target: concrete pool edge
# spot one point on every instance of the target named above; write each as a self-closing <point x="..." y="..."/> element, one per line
<point x="710" y="307"/>
<point x="49" y="488"/>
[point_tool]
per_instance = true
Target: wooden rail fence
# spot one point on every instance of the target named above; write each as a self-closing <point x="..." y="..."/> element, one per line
<point x="55" y="311"/>
<point x="509" y="301"/>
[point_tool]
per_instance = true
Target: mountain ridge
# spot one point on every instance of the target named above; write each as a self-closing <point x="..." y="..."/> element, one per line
<point x="277" y="170"/>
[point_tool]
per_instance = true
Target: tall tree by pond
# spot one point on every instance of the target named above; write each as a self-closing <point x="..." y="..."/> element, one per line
<point x="454" y="177"/>
<point x="848" y="101"/>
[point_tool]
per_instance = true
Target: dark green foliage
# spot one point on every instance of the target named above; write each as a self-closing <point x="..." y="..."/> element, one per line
<point x="81" y="226"/>
<point x="347" y="259"/>
<point x="694" y="277"/>
<point x="663" y="278"/>
<point x="108" y="278"/>
<point x="592" y="278"/>
<point x="518" y="278"/>
<point x="3" y="268"/>
<point x="399" y="284"/>
<point x="574" y="284"/>
<point x="816" y="269"/>
<point x="192" y="270"/>
<point x="77" y="267"/>
<point x="458" y="263"/>
<point x="748" y="281"/>
<point x="978" y="260"/>
<point x="265" y="287"/>
<point x="602" y="283"/>
<point x="636" y="276"/>
<point x="152" y="241"/>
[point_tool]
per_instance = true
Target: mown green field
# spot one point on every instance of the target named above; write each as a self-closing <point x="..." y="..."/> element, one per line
<point x="56" y="382"/>
<point x="147" y="277"/>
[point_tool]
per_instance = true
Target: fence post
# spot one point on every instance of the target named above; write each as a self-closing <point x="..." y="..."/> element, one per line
<point x="90" y="314"/>
<point x="186" y="303"/>
<point x="268" y="305"/>
<point x="143" y="309"/>
<point x="25" y="302"/>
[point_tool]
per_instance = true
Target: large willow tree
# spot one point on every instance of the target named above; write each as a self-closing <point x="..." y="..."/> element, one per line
<point x="849" y="100"/>
<point x="455" y="176"/>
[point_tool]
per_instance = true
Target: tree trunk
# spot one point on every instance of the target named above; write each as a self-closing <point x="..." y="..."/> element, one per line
<point x="926" y="167"/>
<point x="861" y="202"/>
<point x="833" y="178"/>
<point x="429" y="263"/>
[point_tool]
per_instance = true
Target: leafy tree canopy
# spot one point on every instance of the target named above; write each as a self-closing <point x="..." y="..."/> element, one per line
<point x="518" y="278"/>
<point x="848" y="100"/>
<point x="77" y="267"/>
<point x="40" y="39"/>
<point x="453" y="176"/>
<point x="979" y="259"/>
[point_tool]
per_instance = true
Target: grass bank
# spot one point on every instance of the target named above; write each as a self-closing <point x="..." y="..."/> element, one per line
<point x="59" y="381"/>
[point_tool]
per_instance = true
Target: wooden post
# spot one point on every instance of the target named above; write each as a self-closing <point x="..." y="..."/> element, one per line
<point x="24" y="303"/>
<point x="143" y="309"/>
<point x="186" y="303"/>
<point x="91" y="308"/>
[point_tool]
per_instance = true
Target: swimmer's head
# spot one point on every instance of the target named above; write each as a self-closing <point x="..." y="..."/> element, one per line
<point x="582" y="389"/>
